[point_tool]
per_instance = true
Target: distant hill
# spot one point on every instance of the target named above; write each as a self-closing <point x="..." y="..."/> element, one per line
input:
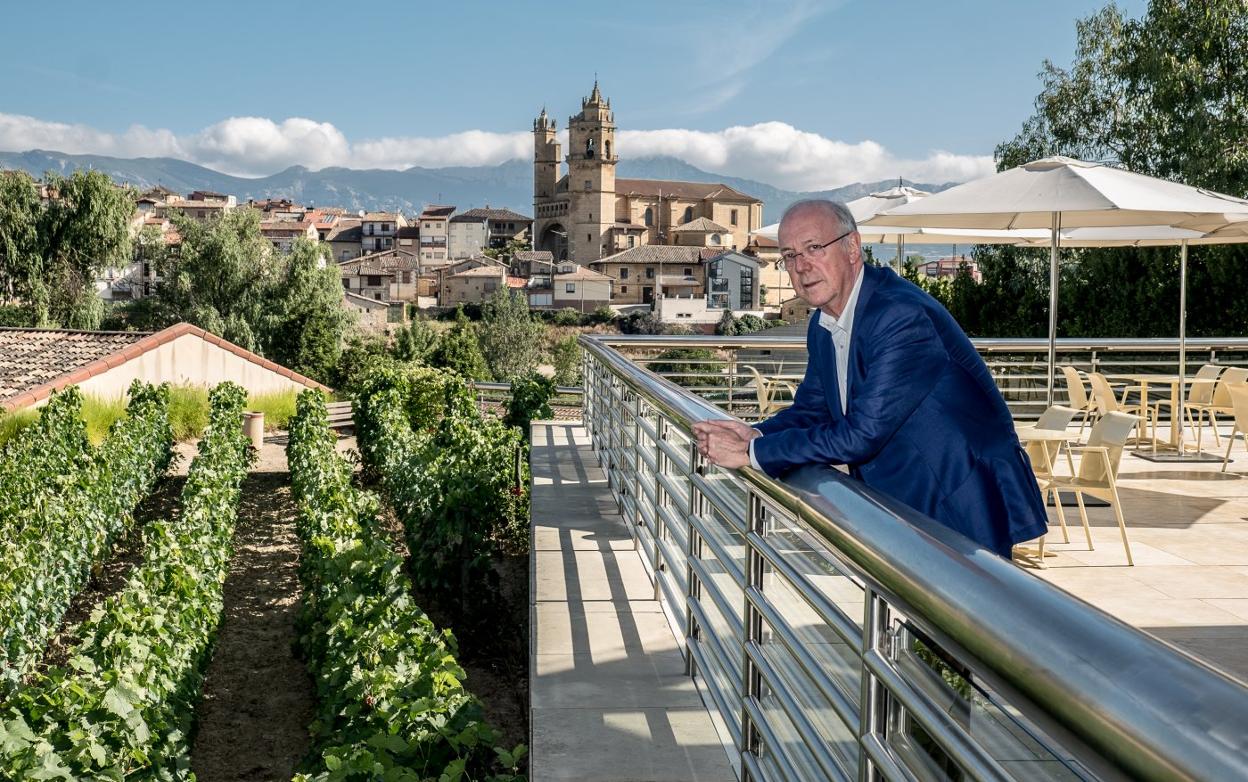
<point x="508" y="185"/>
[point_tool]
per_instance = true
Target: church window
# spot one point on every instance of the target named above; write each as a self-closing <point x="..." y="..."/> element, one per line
<point x="589" y="237"/>
<point x="606" y="149"/>
<point x="589" y="185"/>
<point x="733" y="216"/>
<point x="688" y="214"/>
<point x="648" y="218"/>
<point x="589" y="148"/>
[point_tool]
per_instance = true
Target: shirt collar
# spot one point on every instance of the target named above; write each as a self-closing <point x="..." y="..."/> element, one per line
<point x="845" y="323"/>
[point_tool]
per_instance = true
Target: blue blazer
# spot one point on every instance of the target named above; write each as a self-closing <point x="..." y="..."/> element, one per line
<point x="925" y="422"/>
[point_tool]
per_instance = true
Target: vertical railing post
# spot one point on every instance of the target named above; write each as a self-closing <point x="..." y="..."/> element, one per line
<point x="660" y="500"/>
<point x="693" y="588"/>
<point x="874" y="698"/>
<point x="752" y="624"/>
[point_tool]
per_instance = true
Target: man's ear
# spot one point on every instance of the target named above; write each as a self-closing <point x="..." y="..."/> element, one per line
<point x="855" y="247"/>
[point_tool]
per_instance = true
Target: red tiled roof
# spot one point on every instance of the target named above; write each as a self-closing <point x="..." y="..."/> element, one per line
<point x="36" y="362"/>
<point x="688" y="190"/>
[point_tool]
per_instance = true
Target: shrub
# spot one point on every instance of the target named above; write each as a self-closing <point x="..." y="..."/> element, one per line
<point x="530" y="398"/>
<point x="13" y="423"/>
<point x="567" y="317"/>
<point x="602" y="314"/>
<point x="566" y="356"/>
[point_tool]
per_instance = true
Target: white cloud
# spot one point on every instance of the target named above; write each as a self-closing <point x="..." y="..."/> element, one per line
<point x="772" y="152"/>
<point x="782" y="155"/>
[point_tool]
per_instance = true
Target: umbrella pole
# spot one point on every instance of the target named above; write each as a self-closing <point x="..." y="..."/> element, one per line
<point x="1057" y="225"/>
<point x="1177" y="412"/>
<point x="901" y="253"/>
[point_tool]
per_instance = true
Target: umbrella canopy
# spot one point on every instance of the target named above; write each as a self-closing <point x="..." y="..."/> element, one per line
<point x="1085" y="194"/>
<point x="1060" y="193"/>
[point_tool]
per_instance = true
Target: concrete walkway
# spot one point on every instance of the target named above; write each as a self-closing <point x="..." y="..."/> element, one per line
<point x="609" y="699"/>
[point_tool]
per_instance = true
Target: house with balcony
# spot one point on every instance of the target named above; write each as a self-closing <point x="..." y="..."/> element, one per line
<point x="503" y="225"/>
<point x="378" y="231"/>
<point x="731" y="285"/>
<point x="434" y="224"/>
<point x="283" y="234"/>
<point x="406" y="277"/>
<point x="641" y="271"/>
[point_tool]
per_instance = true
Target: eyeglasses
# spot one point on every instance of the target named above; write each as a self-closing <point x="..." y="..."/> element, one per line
<point x="812" y="251"/>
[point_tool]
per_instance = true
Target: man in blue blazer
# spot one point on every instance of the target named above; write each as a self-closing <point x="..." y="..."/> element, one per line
<point x="893" y="389"/>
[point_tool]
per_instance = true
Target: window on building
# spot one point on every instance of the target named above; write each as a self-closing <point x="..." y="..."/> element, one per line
<point x="374" y="280"/>
<point x="606" y="149"/>
<point x="623" y="272"/>
<point x="632" y="241"/>
<point x="747" y="289"/>
<point x="589" y="237"/>
<point x="569" y="287"/>
<point x="732" y="216"/>
<point x="589" y="148"/>
<point x="385" y="227"/>
<point x="346" y="283"/>
<point x="688" y="271"/>
<point x="648" y="217"/>
<point x="715" y="239"/>
<point x="589" y="185"/>
<point x="649" y="272"/>
<point x="377" y="297"/>
<point x="688" y="214"/>
<point x="623" y="289"/>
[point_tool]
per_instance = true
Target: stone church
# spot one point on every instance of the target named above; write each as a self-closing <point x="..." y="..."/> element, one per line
<point x="587" y="213"/>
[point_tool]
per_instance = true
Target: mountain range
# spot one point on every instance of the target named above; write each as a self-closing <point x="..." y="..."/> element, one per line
<point x="507" y="185"/>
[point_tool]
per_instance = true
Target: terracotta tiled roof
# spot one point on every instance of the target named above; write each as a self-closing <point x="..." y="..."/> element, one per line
<point x="534" y="255"/>
<point x="36" y="362"/>
<point x="386" y="260"/>
<point x="497" y="214"/>
<point x="701" y="225"/>
<point x="436" y="210"/>
<point x="654" y="253"/>
<point x="482" y="271"/>
<point x="689" y="190"/>
<point x="581" y="273"/>
<point x="516" y="282"/>
<point x="380" y="217"/>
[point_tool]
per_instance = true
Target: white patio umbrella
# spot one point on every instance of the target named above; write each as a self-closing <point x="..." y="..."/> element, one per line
<point x="1060" y="193"/>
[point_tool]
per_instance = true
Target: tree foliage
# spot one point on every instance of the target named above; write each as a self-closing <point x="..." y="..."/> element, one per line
<point x="511" y="338"/>
<point x="52" y="250"/>
<point x="226" y="278"/>
<point x="1166" y="95"/>
<point x="461" y="351"/>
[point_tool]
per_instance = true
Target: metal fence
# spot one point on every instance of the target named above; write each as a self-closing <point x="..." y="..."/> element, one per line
<point x="836" y="634"/>
<point x="719" y="369"/>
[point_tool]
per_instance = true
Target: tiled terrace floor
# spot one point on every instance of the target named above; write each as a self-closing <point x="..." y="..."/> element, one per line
<point x="1188" y="525"/>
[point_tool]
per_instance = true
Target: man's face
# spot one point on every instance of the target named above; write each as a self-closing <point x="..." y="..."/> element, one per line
<point x="823" y="278"/>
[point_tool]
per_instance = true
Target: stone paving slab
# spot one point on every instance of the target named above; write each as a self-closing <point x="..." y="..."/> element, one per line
<point x="1188" y="526"/>
<point x="609" y="698"/>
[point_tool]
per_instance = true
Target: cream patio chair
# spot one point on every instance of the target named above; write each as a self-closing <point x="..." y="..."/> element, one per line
<point x="1201" y="390"/>
<point x="1107" y="403"/>
<point x="1043" y="458"/>
<point x="765" y="391"/>
<point x="1239" y="404"/>
<point x="1079" y="400"/>
<point x="1220" y="403"/>
<point x="1098" y="472"/>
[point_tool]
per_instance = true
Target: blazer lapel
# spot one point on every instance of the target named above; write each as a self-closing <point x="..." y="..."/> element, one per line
<point x="870" y="281"/>
<point x="831" y="388"/>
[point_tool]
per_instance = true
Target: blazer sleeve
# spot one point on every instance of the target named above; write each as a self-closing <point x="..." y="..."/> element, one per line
<point x="903" y="354"/>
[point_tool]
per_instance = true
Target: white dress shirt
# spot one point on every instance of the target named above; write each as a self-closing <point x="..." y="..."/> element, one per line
<point x="842" y="330"/>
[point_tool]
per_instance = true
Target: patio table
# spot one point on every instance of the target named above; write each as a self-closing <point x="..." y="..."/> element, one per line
<point x="1176" y="414"/>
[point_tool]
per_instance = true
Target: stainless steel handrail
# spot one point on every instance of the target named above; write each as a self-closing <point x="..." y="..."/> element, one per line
<point x="1113" y="701"/>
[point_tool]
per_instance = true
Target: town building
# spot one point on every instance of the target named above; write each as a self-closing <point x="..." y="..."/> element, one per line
<point x="374" y="315"/>
<point x="390" y="275"/>
<point x="345" y="239"/>
<point x="503" y="226"/>
<point x="378" y="230"/>
<point x="587" y="214"/>
<point x="434" y="224"/>
<point x="638" y="272"/>
<point x="467" y="235"/>
<point x="283" y="234"/>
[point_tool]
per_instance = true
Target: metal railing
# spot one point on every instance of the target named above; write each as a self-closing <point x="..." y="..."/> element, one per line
<point x="716" y="368"/>
<point x="837" y="634"/>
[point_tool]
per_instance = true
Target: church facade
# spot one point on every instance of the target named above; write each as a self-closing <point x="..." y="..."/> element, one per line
<point x="585" y="213"/>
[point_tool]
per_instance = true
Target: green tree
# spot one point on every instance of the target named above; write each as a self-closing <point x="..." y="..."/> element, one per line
<point x="566" y="356"/>
<point x="304" y="324"/>
<point x="1165" y="94"/>
<point x="511" y="339"/>
<point x="461" y="351"/>
<point x="51" y="253"/>
<point x="416" y="342"/>
<point x="530" y="398"/>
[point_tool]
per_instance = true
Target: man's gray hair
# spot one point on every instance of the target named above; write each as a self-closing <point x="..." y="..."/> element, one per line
<point x="833" y="210"/>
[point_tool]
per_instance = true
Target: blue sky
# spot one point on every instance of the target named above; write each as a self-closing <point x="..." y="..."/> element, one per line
<point x="800" y="94"/>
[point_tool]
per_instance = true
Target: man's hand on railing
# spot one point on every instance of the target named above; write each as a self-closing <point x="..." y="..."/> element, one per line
<point x="725" y="443"/>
